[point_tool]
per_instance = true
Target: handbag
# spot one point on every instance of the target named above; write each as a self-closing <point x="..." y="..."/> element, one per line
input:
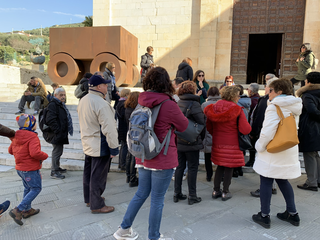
<point x="190" y="135"/>
<point x="244" y="140"/>
<point x="286" y="136"/>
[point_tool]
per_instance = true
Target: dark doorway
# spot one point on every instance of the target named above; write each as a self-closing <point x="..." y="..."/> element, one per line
<point x="264" y="56"/>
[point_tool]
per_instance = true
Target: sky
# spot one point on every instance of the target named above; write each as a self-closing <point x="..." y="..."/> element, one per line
<point x="28" y="15"/>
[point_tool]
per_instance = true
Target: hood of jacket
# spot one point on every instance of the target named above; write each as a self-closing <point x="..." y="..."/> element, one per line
<point x="222" y="111"/>
<point x="23" y="136"/>
<point x="244" y="101"/>
<point x="313" y="88"/>
<point x="213" y="98"/>
<point x="191" y="97"/>
<point x="83" y="80"/>
<point x="151" y="99"/>
<point x="289" y="102"/>
<point x="182" y="65"/>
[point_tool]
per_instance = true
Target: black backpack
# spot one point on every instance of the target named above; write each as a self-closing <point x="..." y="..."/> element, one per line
<point x="42" y="121"/>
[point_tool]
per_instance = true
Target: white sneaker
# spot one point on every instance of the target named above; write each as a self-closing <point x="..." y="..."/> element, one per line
<point x="184" y="176"/>
<point x="125" y="234"/>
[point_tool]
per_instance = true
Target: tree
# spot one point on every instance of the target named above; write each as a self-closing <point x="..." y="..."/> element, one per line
<point x="6" y="53"/>
<point x="88" y="22"/>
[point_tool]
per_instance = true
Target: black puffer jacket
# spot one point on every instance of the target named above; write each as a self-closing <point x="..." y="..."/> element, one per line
<point x="57" y="120"/>
<point x="195" y="114"/>
<point x="185" y="71"/>
<point x="122" y="128"/>
<point x="258" y="116"/>
<point x="84" y="86"/>
<point x="128" y="112"/>
<point x="309" y="125"/>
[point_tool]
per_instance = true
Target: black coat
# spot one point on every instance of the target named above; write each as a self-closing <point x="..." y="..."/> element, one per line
<point x="128" y="112"/>
<point x="122" y="128"/>
<point x="195" y="114"/>
<point x="57" y="120"/>
<point x="185" y="71"/>
<point x="309" y="125"/>
<point x="258" y="116"/>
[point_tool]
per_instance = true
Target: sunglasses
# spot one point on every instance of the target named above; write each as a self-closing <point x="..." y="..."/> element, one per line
<point x="271" y="89"/>
<point x="200" y="75"/>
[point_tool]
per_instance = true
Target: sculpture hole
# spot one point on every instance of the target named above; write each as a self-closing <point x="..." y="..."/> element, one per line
<point x="62" y="69"/>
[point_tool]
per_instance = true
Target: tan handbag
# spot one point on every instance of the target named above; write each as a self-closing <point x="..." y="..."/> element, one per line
<point x="286" y="136"/>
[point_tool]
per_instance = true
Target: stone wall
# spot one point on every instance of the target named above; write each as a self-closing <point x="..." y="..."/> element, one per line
<point x="312" y="27"/>
<point x="201" y="30"/>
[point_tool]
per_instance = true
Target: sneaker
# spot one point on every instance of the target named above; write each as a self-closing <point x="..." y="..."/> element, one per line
<point x="31" y="212"/>
<point x="125" y="234"/>
<point x="293" y="219"/>
<point x="16" y="214"/>
<point x="255" y="193"/>
<point x="35" y="113"/>
<point x="57" y="175"/>
<point x="19" y="112"/>
<point x="226" y="196"/>
<point x="4" y="207"/>
<point x="263" y="221"/>
<point x="307" y="187"/>
<point x="62" y="170"/>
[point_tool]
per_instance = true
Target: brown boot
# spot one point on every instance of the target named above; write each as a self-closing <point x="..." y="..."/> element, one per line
<point x="105" y="209"/>
<point x="16" y="215"/>
<point x="31" y="212"/>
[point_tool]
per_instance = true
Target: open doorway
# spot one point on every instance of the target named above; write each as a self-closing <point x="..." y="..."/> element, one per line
<point x="264" y="56"/>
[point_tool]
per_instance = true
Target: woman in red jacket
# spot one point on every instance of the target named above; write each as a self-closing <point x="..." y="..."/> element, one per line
<point x="27" y="152"/>
<point x="224" y="120"/>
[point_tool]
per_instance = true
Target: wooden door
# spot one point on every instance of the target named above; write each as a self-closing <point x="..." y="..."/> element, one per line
<point x="267" y="16"/>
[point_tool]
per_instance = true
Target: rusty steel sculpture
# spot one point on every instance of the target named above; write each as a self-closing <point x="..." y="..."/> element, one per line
<point x="75" y="51"/>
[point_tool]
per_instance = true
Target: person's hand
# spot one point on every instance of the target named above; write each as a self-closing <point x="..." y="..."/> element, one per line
<point x="112" y="156"/>
<point x="297" y="60"/>
<point x="199" y="93"/>
<point x="201" y="84"/>
<point x="302" y="58"/>
<point x="27" y="93"/>
<point x="152" y="65"/>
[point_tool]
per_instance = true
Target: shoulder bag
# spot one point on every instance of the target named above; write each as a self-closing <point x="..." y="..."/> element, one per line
<point x="286" y="136"/>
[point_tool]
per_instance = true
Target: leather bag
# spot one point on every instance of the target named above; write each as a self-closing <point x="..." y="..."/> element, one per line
<point x="286" y="136"/>
<point x="244" y="141"/>
<point x="190" y="135"/>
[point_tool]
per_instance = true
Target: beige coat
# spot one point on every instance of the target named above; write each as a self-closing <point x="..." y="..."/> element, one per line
<point x="97" y="125"/>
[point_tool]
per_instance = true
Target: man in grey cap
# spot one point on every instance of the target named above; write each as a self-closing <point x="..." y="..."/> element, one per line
<point x="99" y="138"/>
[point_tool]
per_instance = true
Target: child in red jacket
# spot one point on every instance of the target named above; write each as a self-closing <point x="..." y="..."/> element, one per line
<point x="27" y="152"/>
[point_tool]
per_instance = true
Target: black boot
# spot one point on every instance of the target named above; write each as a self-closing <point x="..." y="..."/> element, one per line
<point x="134" y="182"/>
<point x="263" y="221"/>
<point x="240" y="172"/>
<point x="179" y="196"/>
<point x="192" y="200"/>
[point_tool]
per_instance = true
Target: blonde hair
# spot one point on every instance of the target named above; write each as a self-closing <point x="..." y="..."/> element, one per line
<point x="110" y="65"/>
<point x="125" y="92"/>
<point x="229" y="93"/>
<point x="187" y="60"/>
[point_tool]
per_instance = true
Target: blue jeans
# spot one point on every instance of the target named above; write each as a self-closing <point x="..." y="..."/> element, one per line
<point x="32" y="187"/>
<point x="266" y="193"/>
<point x="156" y="182"/>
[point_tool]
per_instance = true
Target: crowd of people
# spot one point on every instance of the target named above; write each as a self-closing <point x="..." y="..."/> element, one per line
<point x="187" y="102"/>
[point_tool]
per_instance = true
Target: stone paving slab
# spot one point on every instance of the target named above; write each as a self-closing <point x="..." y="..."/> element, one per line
<point x="64" y="215"/>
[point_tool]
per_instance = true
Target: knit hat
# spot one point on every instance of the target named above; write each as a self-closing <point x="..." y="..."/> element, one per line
<point x="26" y="121"/>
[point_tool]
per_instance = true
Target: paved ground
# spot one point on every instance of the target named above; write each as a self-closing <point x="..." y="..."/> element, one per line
<point x="64" y="216"/>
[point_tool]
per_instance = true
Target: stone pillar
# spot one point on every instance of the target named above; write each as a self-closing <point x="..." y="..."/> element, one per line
<point x="102" y="11"/>
<point x="312" y="26"/>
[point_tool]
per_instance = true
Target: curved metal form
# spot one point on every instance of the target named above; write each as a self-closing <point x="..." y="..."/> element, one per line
<point x="63" y="69"/>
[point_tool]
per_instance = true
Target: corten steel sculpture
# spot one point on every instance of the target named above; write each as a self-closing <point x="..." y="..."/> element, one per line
<point x="75" y="51"/>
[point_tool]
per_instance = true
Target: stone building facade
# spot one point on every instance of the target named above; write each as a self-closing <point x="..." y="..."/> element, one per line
<point x="243" y="38"/>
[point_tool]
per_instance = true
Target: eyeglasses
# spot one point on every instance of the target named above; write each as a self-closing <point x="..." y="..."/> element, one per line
<point x="200" y="75"/>
<point x="271" y="89"/>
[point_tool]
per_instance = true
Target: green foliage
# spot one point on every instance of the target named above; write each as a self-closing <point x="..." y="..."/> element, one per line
<point x="36" y="41"/>
<point x="88" y="22"/>
<point x="6" y="54"/>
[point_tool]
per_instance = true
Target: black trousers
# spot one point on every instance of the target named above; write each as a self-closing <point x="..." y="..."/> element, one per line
<point x="208" y="165"/>
<point x="131" y="170"/>
<point x="95" y="175"/>
<point x="226" y="173"/>
<point x="193" y="163"/>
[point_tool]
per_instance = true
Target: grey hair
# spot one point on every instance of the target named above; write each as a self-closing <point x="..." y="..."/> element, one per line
<point x="59" y="89"/>
<point x="98" y="73"/>
<point x="254" y="87"/>
<point x="271" y="80"/>
<point x="270" y="76"/>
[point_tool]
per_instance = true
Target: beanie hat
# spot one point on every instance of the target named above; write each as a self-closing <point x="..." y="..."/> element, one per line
<point x="26" y="121"/>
